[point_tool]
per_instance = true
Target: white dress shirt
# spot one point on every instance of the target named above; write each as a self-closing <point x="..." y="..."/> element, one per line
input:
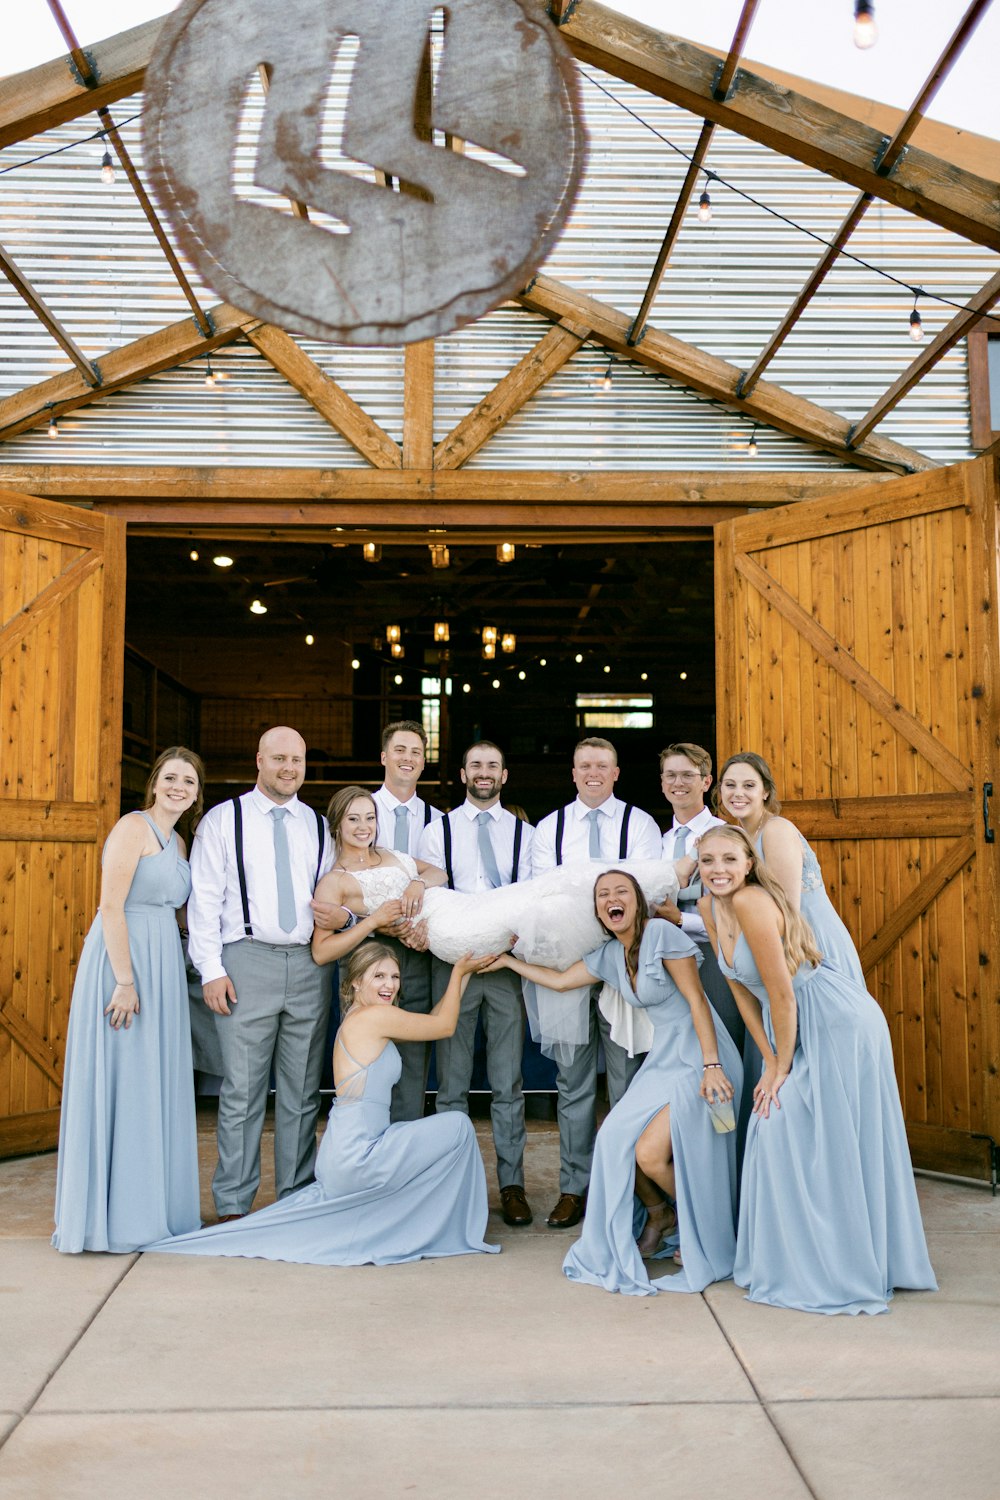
<point x="643" y="835"/>
<point x="466" y="860"/>
<point x="215" y="906"/>
<point x="385" y="807"/>
<point x="691" y="923"/>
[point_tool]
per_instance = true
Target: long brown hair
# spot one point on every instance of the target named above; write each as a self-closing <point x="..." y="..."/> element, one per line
<point x="337" y="810"/>
<point x="756" y="763"/>
<point x="357" y="964"/>
<point x="191" y="758"/>
<point x="641" y="916"/>
<point x="799" y="940"/>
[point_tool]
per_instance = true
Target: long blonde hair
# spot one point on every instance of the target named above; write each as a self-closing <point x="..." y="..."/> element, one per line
<point x="799" y="940"/>
<point x="337" y="811"/>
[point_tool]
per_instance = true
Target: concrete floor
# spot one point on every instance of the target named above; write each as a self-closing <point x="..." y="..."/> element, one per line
<point x="482" y="1377"/>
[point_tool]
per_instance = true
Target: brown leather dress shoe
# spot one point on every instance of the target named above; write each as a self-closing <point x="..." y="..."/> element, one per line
<point x="514" y="1205"/>
<point x="568" y="1211"/>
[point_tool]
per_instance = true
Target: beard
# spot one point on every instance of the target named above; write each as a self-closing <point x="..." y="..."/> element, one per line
<point x="483" y="793"/>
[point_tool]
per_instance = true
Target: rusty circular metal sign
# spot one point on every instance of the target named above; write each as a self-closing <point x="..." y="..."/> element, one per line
<point x="462" y="229"/>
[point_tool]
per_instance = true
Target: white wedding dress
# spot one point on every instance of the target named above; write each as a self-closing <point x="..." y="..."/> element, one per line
<point x="552" y="919"/>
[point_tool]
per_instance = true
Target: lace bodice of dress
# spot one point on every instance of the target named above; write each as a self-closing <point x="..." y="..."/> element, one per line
<point x="812" y="875"/>
<point x="385" y="882"/>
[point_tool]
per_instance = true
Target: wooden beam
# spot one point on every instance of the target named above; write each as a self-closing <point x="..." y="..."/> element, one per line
<point x="418" y="405"/>
<point x="770" y="404"/>
<point x="329" y="399"/>
<point x="48" y="95"/>
<point x="888" y="157"/>
<point x="43" y="312"/>
<point x="961" y="324"/>
<point x="510" y="394"/>
<point x="422" y="517"/>
<point x="723" y="85"/>
<point x="169" y="346"/>
<point x="784" y="120"/>
<point x="152" y="485"/>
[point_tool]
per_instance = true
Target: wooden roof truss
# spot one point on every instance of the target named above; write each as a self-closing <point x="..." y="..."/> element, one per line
<point x="811" y="132"/>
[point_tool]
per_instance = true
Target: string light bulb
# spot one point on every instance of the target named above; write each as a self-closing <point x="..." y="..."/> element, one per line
<point x="916" y="326"/>
<point x="578" y="658"/>
<point x="489" y="635"/>
<point x="606" y="382"/>
<point x="442" y="631"/>
<point x="371" y="552"/>
<point x="466" y="687"/>
<point x="193" y="556"/>
<point x="489" y="650"/>
<point x="543" y="662"/>
<point x="107" y="168"/>
<point x="752" y="445"/>
<point x="397" y="650"/>
<point x="53" y="427"/>
<point x="440" y="556"/>
<point x="310" y="640"/>
<point x="505" y="552"/>
<point x="508" y="643"/>
<point x="209" y="374"/>
<point x="393" y="634"/>
<point x="521" y="676"/>
<point x="258" y="608"/>
<point x="398" y="680"/>
<point x="496" y="682"/>
<point x="704" y="206"/>
<point x="865" y="30"/>
<point x="222" y="561"/>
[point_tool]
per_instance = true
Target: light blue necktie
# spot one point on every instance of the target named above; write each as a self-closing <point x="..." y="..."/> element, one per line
<point x="691" y="893"/>
<point x="283" y="869"/>
<point x="681" y="836"/>
<point x="486" y="853"/>
<point x="595" y="834"/>
<point x="401" y="837"/>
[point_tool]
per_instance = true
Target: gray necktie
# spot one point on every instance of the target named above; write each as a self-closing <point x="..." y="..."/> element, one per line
<point x="691" y="893"/>
<point x="681" y="836"/>
<point x="401" y="837"/>
<point x="595" y="834"/>
<point x="283" y="869"/>
<point x="486" y="854"/>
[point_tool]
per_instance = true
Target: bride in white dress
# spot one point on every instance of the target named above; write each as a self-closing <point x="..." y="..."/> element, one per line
<point x="550" y="920"/>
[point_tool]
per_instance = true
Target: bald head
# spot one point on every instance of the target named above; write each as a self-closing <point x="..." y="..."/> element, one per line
<point x="281" y="763"/>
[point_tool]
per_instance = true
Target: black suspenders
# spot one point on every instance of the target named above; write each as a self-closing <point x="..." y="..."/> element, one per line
<point x="515" y="865"/>
<point x="241" y="867"/>
<point x="622" y="842"/>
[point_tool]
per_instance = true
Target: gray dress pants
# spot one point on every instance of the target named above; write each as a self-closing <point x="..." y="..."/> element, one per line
<point x="577" y="1103"/>
<point x="415" y="994"/>
<point x="281" y="1016"/>
<point x="497" y="997"/>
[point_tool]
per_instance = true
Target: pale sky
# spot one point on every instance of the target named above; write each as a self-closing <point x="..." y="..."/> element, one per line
<point x="812" y="38"/>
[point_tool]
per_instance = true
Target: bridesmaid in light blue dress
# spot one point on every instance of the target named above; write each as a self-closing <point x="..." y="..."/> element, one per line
<point x="747" y="792"/>
<point x="383" y="1193"/>
<point x="665" y="1119"/>
<point x="128" y="1153"/>
<point x="829" y="1220"/>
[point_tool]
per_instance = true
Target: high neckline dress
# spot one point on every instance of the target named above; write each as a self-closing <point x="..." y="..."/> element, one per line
<point x="128" y="1149"/>
<point x="829" y="1220"/>
<point x="606" y="1254"/>
<point x="383" y="1193"/>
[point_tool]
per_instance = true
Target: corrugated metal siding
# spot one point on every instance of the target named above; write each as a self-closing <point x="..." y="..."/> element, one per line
<point x="92" y="256"/>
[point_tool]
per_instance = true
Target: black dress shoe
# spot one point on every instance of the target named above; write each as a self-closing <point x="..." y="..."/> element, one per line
<point x="514" y="1206"/>
<point x="568" y="1211"/>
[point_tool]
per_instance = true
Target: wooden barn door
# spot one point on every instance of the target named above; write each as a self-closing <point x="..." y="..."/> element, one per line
<point x="62" y="605"/>
<point x="857" y="644"/>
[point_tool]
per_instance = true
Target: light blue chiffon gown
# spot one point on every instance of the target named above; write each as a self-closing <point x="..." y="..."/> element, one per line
<point x="383" y="1193"/>
<point x="128" y="1150"/>
<point x="606" y="1255"/>
<point x="829" y="1220"/>
<point x="832" y="937"/>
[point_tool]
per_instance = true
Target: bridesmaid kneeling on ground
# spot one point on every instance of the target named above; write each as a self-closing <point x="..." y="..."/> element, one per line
<point x="829" y="1220"/>
<point x="128" y="1148"/>
<point x="383" y="1193"/>
<point x="666" y="1121"/>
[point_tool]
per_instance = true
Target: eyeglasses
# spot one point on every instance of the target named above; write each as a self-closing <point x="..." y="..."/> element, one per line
<point x="682" y="776"/>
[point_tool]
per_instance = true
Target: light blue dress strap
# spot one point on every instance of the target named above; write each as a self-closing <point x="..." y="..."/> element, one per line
<point x="162" y="839"/>
<point x="352" y="1088"/>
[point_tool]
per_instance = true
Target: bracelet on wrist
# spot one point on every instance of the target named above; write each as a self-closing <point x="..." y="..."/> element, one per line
<point x="417" y="880"/>
<point x="710" y="1065"/>
<point x="125" y="984"/>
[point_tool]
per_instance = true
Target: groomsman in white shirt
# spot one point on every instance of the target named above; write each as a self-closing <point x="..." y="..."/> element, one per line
<point x="481" y="846"/>
<point x="255" y="862"/>
<point x="402" y="819"/>
<point x="597" y="826"/>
